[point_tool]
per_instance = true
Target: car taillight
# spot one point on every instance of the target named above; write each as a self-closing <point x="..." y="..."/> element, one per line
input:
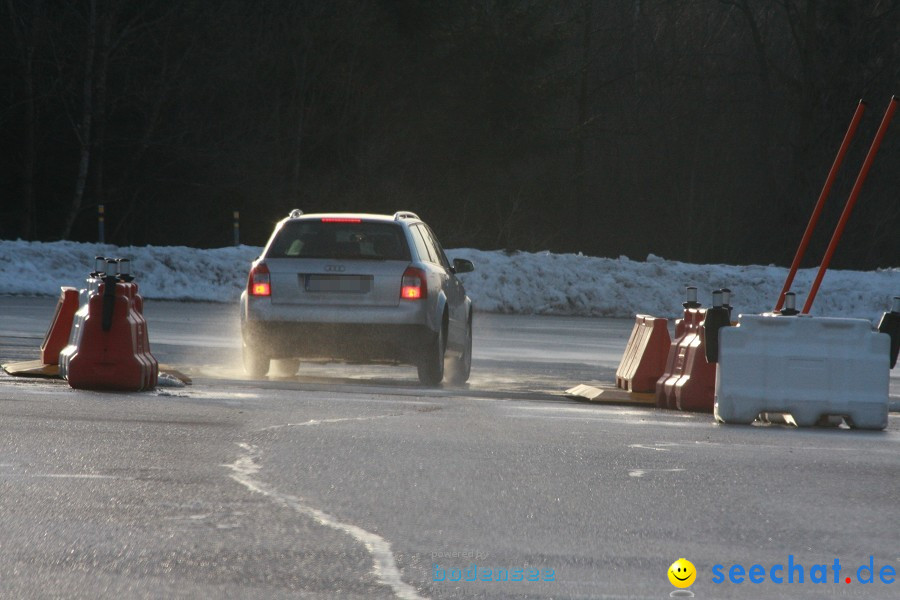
<point x="414" y="285"/>
<point x="340" y="220"/>
<point x="258" y="282"/>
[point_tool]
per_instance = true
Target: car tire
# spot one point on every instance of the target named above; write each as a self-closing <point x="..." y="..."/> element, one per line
<point x="461" y="367"/>
<point x="431" y="366"/>
<point x="284" y="367"/>
<point x="256" y="364"/>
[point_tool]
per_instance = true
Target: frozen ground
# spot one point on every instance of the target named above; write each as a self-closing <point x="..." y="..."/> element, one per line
<point x="523" y="283"/>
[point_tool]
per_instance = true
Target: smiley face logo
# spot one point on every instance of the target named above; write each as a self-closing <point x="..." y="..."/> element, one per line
<point x="682" y="573"/>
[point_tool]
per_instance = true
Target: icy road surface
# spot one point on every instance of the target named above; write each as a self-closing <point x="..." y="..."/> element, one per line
<point x="343" y="482"/>
<point x="512" y="353"/>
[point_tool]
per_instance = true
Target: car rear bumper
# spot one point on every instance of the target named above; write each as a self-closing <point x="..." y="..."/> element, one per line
<point x="405" y="313"/>
<point x="337" y="341"/>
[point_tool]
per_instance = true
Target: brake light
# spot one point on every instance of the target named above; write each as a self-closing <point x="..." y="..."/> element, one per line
<point x="414" y="284"/>
<point x="258" y="283"/>
<point x="340" y="220"/>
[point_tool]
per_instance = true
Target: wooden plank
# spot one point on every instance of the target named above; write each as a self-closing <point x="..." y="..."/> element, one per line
<point x="607" y="395"/>
<point x="31" y="368"/>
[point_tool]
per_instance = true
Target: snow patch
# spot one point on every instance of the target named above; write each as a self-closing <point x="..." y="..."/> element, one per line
<point x="505" y="282"/>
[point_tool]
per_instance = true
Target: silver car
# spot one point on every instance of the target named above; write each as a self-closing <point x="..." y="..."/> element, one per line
<point x="358" y="288"/>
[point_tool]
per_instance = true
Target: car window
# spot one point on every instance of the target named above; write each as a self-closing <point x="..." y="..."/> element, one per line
<point x="339" y="240"/>
<point x="434" y="246"/>
<point x="422" y="245"/>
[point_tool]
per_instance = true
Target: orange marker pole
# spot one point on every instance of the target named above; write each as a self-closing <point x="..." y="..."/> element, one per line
<point x="817" y="212"/>
<point x="851" y="202"/>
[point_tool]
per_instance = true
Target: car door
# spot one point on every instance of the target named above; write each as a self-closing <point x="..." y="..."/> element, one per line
<point x="453" y="289"/>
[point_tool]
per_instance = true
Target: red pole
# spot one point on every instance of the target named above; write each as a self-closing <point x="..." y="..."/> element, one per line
<point x="851" y="201"/>
<point x="817" y="212"/>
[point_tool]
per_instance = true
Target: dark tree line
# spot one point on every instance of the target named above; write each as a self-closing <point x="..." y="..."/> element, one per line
<point x="699" y="130"/>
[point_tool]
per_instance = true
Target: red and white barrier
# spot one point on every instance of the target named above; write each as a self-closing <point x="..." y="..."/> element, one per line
<point x="60" y="327"/>
<point x="644" y="359"/>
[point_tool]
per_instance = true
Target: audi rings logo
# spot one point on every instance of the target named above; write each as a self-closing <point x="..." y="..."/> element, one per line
<point x="335" y="268"/>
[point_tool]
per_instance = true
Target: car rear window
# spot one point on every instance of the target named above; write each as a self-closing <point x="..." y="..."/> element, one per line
<point x="339" y="240"/>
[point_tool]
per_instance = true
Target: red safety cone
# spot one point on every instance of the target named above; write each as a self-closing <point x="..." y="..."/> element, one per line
<point x="110" y="349"/>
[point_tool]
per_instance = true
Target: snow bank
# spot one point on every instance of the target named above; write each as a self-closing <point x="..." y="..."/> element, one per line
<point x="569" y="284"/>
<point x="527" y="283"/>
<point x="162" y="272"/>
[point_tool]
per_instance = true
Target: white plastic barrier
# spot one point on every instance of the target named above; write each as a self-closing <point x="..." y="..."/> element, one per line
<point x="810" y="367"/>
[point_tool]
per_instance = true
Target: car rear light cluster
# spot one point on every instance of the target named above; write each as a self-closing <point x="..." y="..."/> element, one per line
<point x="414" y="284"/>
<point x="258" y="283"/>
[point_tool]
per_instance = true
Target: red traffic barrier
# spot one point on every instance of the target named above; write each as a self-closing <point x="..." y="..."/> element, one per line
<point x="93" y="287"/>
<point x="680" y="360"/>
<point x="110" y="347"/>
<point x="143" y="340"/>
<point x="671" y="356"/>
<point x="58" y="334"/>
<point x="645" y="355"/>
<point x="689" y="381"/>
<point x="695" y="388"/>
<point x="673" y="364"/>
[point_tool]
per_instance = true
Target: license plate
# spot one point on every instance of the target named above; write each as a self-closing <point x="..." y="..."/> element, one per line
<point x="338" y="284"/>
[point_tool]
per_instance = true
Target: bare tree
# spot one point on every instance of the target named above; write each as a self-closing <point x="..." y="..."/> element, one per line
<point x="26" y="30"/>
<point x="84" y="129"/>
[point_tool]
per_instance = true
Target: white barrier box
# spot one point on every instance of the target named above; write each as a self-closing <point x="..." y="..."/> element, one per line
<point x="810" y="367"/>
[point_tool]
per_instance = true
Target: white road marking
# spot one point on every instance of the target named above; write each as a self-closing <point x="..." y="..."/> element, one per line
<point x="608" y="410"/>
<point x="617" y="420"/>
<point x="214" y="394"/>
<point x="790" y="444"/>
<point x="385" y="567"/>
<point x="645" y="447"/>
<point x="71" y="476"/>
<point x="312" y="422"/>
<point x="642" y="472"/>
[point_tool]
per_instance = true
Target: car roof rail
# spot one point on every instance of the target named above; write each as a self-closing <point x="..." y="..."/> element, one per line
<point x="405" y="214"/>
<point x="295" y="213"/>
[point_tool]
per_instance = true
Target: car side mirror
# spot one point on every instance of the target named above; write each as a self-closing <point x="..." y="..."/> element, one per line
<point x="461" y="265"/>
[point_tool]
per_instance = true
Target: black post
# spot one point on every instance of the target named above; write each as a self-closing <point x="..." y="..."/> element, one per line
<point x="717" y="317"/>
<point x="890" y="324"/>
<point x="109" y="291"/>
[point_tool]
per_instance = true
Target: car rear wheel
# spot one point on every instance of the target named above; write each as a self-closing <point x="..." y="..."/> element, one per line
<point x="431" y="365"/>
<point x="284" y="367"/>
<point x="256" y="364"/>
<point x="461" y="367"/>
